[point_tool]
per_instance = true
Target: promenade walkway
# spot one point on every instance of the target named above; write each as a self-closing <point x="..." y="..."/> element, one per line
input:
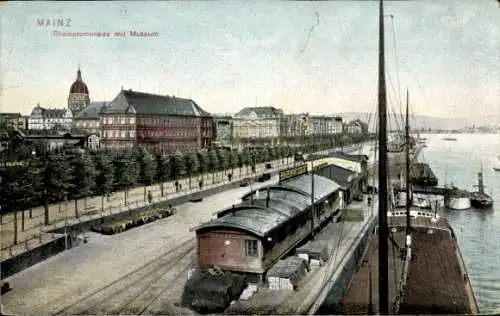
<point x="61" y="214"/>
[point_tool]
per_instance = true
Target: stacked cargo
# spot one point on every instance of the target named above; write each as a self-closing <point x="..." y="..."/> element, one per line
<point x="287" y="273"/>
<point x="207" y="292"/>
<point x="315" y="252"/>
<point x="131" y="221"/>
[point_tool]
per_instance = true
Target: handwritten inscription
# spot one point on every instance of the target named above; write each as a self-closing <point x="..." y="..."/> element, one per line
<point x="292" y="172"/>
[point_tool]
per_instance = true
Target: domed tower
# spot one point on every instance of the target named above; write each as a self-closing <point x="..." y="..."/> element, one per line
<point x="78" y="95"/>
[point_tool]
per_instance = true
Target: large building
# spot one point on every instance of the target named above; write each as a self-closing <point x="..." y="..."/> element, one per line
<point x="49" y="119"/>
<point x="156" y="122"/>
<point x="258" y="122"/>
<point x="13" y="121"/>
<point x="222" y="130"/>
<point x="326" y="125"/>
<point x="88" y="120"/>
<point x="79" y="97"/>
<point x="295" y="125"/>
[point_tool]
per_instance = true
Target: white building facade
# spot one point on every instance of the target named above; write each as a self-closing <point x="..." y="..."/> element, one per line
<point x="257" y="122"/>
<point x="50" y="119"/>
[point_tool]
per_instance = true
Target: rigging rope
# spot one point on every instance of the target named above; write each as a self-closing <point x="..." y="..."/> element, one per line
<point x="397" y="65"/>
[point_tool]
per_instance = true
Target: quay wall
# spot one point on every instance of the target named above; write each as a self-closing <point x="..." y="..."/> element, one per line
<point x="33" y="256"/>
<point x="337" y="285"/>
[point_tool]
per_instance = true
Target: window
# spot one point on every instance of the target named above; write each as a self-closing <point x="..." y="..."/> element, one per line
<point x="131" y="134"/>
<point x="251" y="248"/>
<point x="122" y="120"/>
<point x="122" y="134"/>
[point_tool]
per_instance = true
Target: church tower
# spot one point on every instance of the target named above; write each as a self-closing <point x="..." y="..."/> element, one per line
<point x="78" y="95"/>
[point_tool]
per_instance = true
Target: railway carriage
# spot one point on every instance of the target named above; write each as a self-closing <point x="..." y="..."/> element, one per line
<point x="251" y="236"/>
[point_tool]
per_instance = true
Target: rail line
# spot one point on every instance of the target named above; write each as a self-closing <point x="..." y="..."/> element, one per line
<point x="146" y="296"/>
<point x="143" y="277"/>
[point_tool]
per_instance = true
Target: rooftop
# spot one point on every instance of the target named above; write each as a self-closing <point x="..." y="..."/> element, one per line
<point x="260" y="111"/>
<point x="339" y="154"/>
<point x="322" y="186"/>
<point x="339" y="174"/>
<point x="91" y="111"/>
<point x="264" y="210"/>
<point x="128" y="101"/>
<point x="255" y="219"/>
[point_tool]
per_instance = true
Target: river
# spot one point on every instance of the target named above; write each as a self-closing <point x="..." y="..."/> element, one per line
<point x="478" y="231"/>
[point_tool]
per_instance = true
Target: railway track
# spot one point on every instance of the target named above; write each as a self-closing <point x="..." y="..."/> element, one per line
<point x="134" y="292"/>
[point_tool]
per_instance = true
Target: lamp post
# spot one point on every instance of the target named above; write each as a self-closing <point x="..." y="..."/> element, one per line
<point x="65" y="223"/>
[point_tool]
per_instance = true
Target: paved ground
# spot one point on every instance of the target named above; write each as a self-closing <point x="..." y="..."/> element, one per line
<point x="67" y="277"/>
<point x="58" y="212"/>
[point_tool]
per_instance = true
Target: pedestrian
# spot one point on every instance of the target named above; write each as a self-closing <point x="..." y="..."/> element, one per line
<point x="150" y="197"/>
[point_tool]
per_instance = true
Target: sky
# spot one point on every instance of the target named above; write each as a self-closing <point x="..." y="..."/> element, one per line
<point x="316" y="57"/>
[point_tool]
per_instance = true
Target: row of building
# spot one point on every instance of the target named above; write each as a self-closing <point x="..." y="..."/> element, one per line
<point x="169" y="123"/>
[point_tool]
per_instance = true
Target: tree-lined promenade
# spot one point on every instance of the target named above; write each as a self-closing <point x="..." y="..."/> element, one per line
<point x="79" y="180"/>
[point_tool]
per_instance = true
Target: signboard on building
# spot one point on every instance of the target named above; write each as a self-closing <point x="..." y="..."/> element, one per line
<point x="292" y="172"/>
<point x="319" y="166"/>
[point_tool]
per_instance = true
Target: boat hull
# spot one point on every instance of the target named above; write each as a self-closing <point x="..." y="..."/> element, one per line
<point x="481" y="204"/>
<point x="458" y="203"/>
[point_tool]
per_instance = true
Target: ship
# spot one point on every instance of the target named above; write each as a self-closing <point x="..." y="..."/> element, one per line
<point x="457" y="199"/>
<point x="421" y="174"/>
<point x="450" y="139"/>
<point x="412" y="263"/>
<point x="480" y="199"/>
<point x="496" y="166"/>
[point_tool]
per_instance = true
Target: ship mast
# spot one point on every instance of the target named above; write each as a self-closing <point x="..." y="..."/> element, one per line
<point x="383" y="287"/>
<point x="480" y="180"/>
<point x="408" y="198"/>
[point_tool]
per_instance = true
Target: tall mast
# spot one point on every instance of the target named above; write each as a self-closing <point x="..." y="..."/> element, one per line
<point x="408" y="199"/>
<point x="383" y="287"/>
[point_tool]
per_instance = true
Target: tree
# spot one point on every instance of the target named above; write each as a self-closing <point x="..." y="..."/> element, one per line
<point x="178" y="166"/>
<point x="213" y="163"/>
<point x="266" y="156"/>
<point x="126" y="170"/>
<point x="233" y="160"/>
<point x="273" y="152"/>
<point x="104" y="175"/>
<point x="223" y="159"/>
<point x="202" y="163"/>
<point x="242" y="160"/>
<point x="16" y="192"/>
<point x="250" y="159"/>
<point x="278" y="153"/>
<point x="56" y="180"/>
<point x="147" y="167"/>
<point x="163" y="169"/>
<point x="83" y="178"/>
<point x="192" y="165"/>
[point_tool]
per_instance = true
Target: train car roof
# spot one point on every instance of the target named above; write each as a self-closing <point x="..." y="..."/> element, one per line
<point x="255" y="219"/>
<point x="322" y="186"/>
<point x="260" y="216"/>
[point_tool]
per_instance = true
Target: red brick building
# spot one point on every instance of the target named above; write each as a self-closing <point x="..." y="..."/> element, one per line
<point x="156" y="122"/>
